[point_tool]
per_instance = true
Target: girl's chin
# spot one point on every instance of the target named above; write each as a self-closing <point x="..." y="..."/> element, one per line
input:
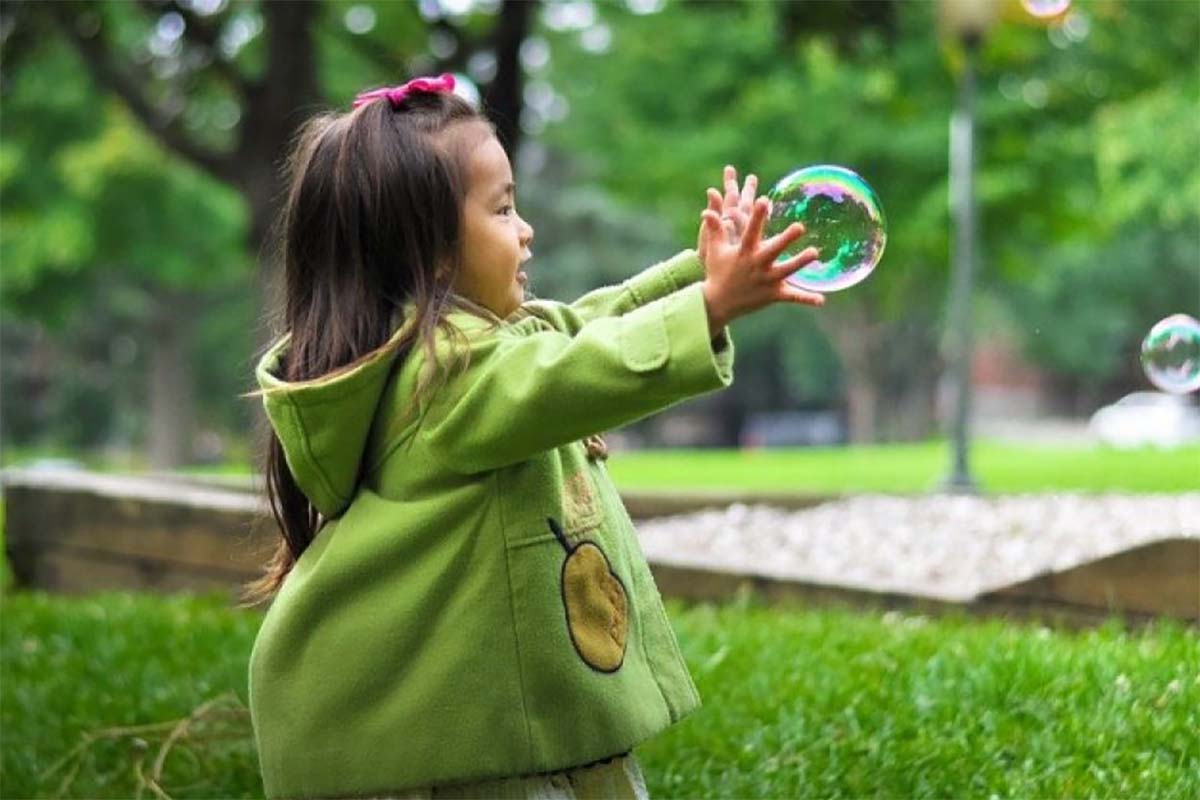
<point x="516" y="300"/>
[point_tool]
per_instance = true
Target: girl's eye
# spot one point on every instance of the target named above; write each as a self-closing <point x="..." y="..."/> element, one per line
<point x="505" y="209"/>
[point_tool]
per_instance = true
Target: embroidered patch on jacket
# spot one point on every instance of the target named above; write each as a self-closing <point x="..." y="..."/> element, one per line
<point x="596" y="603"/>
<point x="580" y="504"/>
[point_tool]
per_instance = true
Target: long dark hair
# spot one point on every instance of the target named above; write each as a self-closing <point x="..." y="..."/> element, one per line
<point x="371" y="220"/>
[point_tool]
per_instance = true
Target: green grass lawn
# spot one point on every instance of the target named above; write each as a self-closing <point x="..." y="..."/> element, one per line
<point x="797" y="702"/>
<point x="910" y="468"/>
<point x="903" y="468"/>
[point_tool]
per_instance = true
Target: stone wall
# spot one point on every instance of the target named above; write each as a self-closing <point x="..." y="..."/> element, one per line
<point x="78" y="532"/>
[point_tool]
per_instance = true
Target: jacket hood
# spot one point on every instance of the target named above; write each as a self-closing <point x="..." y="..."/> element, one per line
<point x="323" y="424"/>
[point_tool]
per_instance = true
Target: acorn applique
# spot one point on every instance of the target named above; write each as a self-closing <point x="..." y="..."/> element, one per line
<point x="596" y="604"/>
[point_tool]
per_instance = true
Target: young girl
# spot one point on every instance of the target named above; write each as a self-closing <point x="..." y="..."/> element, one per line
<point x="466" y="610"/>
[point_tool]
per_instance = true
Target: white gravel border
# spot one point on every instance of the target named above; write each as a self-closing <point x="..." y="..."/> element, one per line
<point x="941" y="546"/>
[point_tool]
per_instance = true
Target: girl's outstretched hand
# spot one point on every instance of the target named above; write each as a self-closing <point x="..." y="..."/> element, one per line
<point x="741" y="273"/>
<point x="734" y="207"/>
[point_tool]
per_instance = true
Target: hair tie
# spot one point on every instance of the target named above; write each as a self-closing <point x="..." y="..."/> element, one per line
<point x="442" y="83"/>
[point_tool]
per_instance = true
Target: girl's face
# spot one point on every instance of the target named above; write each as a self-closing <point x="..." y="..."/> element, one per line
<point x="495" y="238"/>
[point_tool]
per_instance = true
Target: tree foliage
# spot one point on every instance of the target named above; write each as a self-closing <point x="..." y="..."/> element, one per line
<point x="1088" y="161"/>
<point x="140" y="143"/>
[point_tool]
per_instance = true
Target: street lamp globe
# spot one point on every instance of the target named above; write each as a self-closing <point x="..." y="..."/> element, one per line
<point x="968" y="20"/>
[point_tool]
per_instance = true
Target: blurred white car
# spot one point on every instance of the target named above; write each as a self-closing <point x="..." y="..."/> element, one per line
<point x="1147" y="418"/>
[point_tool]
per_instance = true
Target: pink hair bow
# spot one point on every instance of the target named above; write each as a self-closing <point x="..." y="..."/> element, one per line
<point x="442" y="83"/>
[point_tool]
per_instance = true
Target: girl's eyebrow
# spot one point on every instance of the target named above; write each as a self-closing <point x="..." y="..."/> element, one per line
<point x="508" y="187"/>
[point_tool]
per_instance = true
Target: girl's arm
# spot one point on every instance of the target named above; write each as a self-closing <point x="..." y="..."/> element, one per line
<point x="524" y="394"/>
<point x="660" y="280"/>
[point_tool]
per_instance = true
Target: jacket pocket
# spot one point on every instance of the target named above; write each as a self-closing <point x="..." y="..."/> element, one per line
<point x="644" y="347"/>
<point x="576" y="576"/>
<point x="578" y="639"/>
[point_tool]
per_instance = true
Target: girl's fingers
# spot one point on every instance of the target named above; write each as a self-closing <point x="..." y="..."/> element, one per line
<point x="773" y="247"/>
<point x="708" y="222"/>
<point x="733" y="229"/>
<point x="714" y="200"/>
<point x="799" y="261"/>
<point x="731" y="222"/>
<point x="731" y="188"/>
<point x="753" y="233"/>
<point x="782" y="241"/>
<point x="748" y="193"/>
<point x="794" y="294"/>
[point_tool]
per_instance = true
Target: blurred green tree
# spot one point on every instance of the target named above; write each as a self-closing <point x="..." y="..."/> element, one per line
<point x="132" y="237"/>
<point x="221" y="87"/>
<point x="1092" y="186"/>
<point x="769" y="87"/>
<point x="1089" y="176"/>
<point x="756" y="86"/>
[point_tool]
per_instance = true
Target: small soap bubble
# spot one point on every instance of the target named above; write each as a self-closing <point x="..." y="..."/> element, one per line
<point x="842" y="218"/>
<point x="1171" y="354"/>
<point x="1046" y="9"/>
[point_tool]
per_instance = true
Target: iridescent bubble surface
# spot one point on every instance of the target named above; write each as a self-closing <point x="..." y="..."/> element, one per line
<point x="1044" y="9"/>
<point x="1171" y="354"/>
<point x="843" y="219"/>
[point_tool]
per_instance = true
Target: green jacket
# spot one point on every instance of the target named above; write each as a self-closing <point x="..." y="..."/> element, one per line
<point x="479" y="605"/>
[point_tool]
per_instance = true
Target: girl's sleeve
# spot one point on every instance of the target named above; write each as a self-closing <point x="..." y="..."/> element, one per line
<point x="660" y="280"/>
<point x="522" y="395"/>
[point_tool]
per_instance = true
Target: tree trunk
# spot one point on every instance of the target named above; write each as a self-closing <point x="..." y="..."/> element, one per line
<point x="862" y="405"/>
<point x="502" y="99"/>
<point x="172" y="386"/>
<point x="890" y="372"/>
<point x="908" y="365"/>
<point x="853" y="338"/>
<point x="274" y="110"/>
<point x="267" y="277"/>
<point x="913" y="416"/>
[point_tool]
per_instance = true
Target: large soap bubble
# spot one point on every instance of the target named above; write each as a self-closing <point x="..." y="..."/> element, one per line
<point x="1171" y="354"/>
<point x="842" y="218"/>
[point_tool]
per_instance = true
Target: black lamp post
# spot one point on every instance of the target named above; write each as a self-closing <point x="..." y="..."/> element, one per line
<point x="968" y="21"/>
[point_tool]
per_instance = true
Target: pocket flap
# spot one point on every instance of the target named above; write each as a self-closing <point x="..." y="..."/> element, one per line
<point x="644" y="345"/>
